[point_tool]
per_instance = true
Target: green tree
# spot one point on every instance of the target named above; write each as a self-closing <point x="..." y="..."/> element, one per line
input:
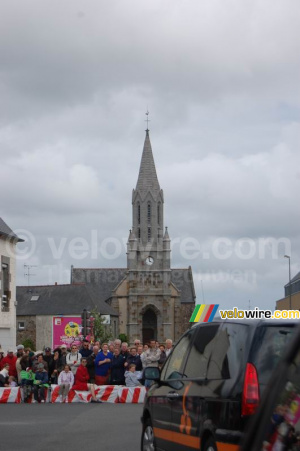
<point x="123" y="338"/>
<point x="101" y="331"/>
<point x="28" y="343"/>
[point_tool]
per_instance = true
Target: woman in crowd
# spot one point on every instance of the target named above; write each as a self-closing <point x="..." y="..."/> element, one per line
<point x="65" y="382"/>
<point x="56" y="366"/>
<point x="81" y="381"/>
<point x="102" y="365"/>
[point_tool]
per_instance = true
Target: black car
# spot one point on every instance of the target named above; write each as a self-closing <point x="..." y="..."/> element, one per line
<point x="211" y="384"/>
<point x="276" y="425"/>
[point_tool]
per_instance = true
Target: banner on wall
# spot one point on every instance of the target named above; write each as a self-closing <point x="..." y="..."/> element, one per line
<point x="66" y="330"/>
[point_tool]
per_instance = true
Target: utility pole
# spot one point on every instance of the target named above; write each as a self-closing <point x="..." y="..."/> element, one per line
<point x="290" y="287"/>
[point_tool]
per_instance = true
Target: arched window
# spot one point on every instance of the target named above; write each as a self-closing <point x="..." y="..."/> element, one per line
<point x="139" y="233"/>
<point x="149" y="233"/>
<point x="149" y="212"/>
<point x="158" y="213"/>
<point x="139" y="213"/>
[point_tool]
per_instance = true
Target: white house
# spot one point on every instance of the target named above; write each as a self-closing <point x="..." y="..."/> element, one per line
<point x="8" y="242"/>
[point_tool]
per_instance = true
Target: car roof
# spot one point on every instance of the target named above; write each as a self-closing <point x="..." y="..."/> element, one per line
<point x="253" y="322"/>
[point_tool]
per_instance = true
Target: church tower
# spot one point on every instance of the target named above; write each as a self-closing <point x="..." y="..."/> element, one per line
<point x="149" y="298"/>
<point x="148" y="257"/>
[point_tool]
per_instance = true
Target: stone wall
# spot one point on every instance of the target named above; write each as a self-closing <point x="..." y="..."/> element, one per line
<point x="186" y="311"/>
<point x="29" y="331"/>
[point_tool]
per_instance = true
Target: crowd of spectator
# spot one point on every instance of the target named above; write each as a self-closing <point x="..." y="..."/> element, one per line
<point x="79" y="367"/>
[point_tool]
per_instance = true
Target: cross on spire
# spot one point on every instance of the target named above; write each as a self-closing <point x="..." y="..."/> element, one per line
<point x="147" y="120"/>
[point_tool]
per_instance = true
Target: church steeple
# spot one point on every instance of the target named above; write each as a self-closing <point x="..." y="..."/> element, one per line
<point x="147" y="202"/>
<point x="147" y="180"/>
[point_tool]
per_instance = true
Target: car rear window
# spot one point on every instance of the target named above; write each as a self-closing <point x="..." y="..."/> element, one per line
<point x="268" y="347"/>
<point x="217" y="352"/>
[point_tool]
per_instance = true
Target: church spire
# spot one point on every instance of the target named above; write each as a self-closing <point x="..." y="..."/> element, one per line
<point x="147" y="201"/>
<point x="147" y="179"/>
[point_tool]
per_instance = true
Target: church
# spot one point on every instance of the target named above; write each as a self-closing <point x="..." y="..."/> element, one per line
<point x="151" y="299"/>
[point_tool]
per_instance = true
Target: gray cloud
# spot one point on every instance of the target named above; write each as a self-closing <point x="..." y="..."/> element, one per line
<point x="221" y="80"/>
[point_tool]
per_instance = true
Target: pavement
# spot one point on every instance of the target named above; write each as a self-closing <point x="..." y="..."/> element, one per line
<point x="70" y="427"/>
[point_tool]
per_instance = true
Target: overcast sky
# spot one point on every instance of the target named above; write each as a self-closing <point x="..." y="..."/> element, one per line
<point x="221" y="81"/>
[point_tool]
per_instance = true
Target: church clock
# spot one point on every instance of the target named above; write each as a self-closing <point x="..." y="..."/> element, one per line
<point x="149" y="260"/>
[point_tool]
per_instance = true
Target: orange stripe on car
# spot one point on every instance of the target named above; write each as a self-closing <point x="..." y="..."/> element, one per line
<point x="227" y="447"/>
<point x="177" y="437"/>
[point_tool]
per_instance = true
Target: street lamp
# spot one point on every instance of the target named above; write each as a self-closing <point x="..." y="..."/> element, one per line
<point x="290" y="288"/>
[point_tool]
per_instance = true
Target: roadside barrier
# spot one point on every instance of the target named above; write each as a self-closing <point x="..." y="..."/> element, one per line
<point x="106" y="393"/>
<point x="10" y="395"/>
<point x="132" y="394"/>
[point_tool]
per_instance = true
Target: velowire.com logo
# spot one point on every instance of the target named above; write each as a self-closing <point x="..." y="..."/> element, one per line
<point x="204" y="313"/>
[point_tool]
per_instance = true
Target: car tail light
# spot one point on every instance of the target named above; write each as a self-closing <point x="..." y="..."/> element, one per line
<point x="251" y="390"/>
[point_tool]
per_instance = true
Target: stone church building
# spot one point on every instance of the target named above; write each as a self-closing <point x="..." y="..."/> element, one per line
<point x="151" y="299"/>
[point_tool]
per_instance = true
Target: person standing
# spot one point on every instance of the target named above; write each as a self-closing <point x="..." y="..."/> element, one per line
<point x="39" y="358"/>
<point x="4" y="375"/>
<point x="102" y="365"/>
<point x="48" y="357"/>
<point x="85" y="350"/>
<point x="91" y="363"/>
<point x="56" y="367"/>
<point x="64" y="352"/>
<point x="11" y="359"/>
<point x="117" y="368"/>
<point x="73" y="358"/>
<point x="163" y="356"/>
<point x="134" y="358"/>
<point x="150" y="358"/>
<point x="169" y="347"/>
<point x="20" y="353"/>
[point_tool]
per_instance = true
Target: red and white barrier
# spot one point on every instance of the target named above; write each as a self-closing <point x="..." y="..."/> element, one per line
<point x="106" y="393"/>
<point x="10" y="395"/>
<point x="132" y="394"/>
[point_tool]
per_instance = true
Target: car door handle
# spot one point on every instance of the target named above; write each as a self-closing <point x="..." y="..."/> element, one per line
<point x="172" y="395"/>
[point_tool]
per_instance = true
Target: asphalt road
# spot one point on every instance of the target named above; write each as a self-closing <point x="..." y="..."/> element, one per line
<point x="71" y="427"/>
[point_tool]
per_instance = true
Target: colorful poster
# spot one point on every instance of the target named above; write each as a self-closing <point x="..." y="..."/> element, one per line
<point x="66" y="330"/>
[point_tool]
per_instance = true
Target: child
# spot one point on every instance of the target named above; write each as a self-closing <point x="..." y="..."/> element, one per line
<point x="65" y="382"/>
<point x="131" y="377"/>
<point x="40" y="383"/>
<point x="12" y="381"/>
<point x="27" y="378"/>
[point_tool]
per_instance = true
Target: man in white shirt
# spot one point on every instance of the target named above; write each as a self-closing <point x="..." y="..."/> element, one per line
<point x="169" y="347"/>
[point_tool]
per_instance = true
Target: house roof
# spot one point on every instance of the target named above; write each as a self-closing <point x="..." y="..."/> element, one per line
<point x="107" y="279"/>
<point x="293" y="280"/>
<point x="7" y="232"/>
<point x="183" y="281"/>
<point x="59" y="300"/>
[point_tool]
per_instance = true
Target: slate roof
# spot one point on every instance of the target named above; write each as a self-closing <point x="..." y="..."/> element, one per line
<point x="107" y="279"/>
<point x="183" y="281"/>
<point x="147" y="179"/>
<point x="60" y="300"/>
<point x="293" y="280"/>
<point x="7" y="232"/>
